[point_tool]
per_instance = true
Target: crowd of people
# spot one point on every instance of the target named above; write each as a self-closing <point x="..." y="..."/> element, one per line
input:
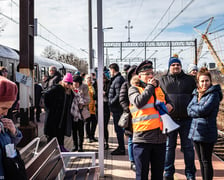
<point x="136" y="97"/>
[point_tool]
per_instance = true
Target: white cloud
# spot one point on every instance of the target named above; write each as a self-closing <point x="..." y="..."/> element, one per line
<point x="69" y="21"/>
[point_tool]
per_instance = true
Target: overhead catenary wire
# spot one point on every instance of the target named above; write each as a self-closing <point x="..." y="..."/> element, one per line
<point x="173" y="19"/>
<point x="56" y="37"/>
<point x="159" y="20"/>
<point x="170" y="22"/>
<point x="41" y="36"/>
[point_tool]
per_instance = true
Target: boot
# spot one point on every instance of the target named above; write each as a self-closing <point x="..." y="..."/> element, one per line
<point x="80" y="149"/>
<point x="63" y="149"/>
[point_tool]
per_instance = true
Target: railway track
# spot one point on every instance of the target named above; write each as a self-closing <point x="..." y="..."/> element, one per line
<point x="219" y="146"/>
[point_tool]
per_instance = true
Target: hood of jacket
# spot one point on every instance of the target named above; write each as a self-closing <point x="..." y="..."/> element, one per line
<point x="212" y="88"/>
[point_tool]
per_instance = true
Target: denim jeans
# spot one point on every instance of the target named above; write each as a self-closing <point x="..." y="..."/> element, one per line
<point x="119" y="131"/>
<point x="186" y="148"/>
<point x="204" y="152"/>
<point x="130" y="149"/>
<point x="146" y="154"/>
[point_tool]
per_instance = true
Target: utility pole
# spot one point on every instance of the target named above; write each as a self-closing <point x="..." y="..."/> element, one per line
<point x="129" y="27"/>
<point x="90" y="62"/>
<point x="26" y="66"/>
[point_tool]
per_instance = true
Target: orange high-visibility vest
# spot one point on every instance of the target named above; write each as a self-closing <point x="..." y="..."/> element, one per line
<point x="147" y="118"/>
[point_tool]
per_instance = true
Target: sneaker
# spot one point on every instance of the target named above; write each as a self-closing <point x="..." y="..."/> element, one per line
<point x="74" y="149"/>
<point x="94" y="139"/>
<point x="118" y="151"/>
<point x="90" y="140"/>
<point x="106" y="146"/>
<point x="133" y="167"/>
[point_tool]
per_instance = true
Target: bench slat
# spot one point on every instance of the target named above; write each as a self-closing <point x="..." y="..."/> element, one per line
<point x="43" y="155"/>
<point x="50" y="161"/>
<point x="30" y="150"/>
<point x="92" y="173"/>
<point x="81" y="174"/>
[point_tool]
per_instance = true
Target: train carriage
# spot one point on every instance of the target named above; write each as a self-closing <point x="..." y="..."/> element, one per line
<point x="10" y="59"/>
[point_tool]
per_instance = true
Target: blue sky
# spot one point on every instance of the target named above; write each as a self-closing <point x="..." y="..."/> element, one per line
<point x="68" y="19"/>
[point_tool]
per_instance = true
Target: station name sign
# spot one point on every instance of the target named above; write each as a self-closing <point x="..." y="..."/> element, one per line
<point x="149" y="44"/>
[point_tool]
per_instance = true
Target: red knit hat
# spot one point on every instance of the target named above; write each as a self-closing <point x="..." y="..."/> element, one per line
<point x="8" y="90"/>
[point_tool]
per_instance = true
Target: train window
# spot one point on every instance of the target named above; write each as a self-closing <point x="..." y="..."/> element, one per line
<point x="11" y="71"/>
<point x="35" y="73"/>
<point x="43" y="71"/>
<point x="1" y="63"/>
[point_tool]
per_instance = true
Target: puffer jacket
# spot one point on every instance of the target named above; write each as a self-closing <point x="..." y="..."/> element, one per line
<point x="114" y="93"/>
<point x="204" y="113"/>
<point x="178" y="88"/>
<point x="124" y="102"/>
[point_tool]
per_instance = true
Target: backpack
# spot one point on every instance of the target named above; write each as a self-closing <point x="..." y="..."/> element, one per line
<point x="14" y="167"/>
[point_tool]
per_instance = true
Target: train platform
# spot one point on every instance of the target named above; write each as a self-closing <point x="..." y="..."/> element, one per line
<point x="118" y="167"/>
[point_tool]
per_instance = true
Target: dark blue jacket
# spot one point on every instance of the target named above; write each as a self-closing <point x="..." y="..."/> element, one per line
<point x="114" y="93"/>
<point x="204" y="113"/>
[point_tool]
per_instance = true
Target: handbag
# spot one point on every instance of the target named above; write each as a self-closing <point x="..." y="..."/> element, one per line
<point x="14" y="167"/>
<point x="41" y="104"/>
<point x="124" y="120"/>
<point x="85" y="113"/>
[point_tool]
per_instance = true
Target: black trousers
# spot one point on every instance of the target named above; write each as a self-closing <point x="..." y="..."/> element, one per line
<point x="91" y="123"/>
<point x="204" y="152"/>
<point x="78" y="133"/>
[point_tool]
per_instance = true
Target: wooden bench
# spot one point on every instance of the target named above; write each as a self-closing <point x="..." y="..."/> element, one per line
<point x="49" y="164"/>
<point x="30" y="150"/>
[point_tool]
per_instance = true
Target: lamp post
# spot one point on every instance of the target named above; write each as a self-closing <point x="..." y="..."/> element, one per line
<point x="103" y="29"/>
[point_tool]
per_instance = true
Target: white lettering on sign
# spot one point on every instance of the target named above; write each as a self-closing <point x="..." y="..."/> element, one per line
<point x="22" y="78"/>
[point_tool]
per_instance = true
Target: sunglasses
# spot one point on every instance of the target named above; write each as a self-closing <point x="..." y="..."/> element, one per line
<point x="69" y="83"/>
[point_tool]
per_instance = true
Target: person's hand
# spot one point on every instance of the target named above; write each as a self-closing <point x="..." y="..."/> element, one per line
<point x="8" y="124"/>
<point x="80" y="106"/>
<point x="169" y="107"/>
<point x="153" y="82"/>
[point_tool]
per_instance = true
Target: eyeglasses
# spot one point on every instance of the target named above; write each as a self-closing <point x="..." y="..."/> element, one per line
<point x="69" y="83"/>
<point x="147" y="74"/>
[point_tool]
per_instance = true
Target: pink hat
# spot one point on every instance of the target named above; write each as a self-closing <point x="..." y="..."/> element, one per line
<point x="68" y="78"/>
<point x="8" y="90"/>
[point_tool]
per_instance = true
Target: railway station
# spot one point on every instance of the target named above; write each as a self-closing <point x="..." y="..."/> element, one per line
<point x="169" y="41"/>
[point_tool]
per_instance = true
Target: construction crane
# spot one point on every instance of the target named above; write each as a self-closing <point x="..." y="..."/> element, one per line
<point x="211" y="49"/>
<point x="218" y="61"/>
<point x="200" y="46"/>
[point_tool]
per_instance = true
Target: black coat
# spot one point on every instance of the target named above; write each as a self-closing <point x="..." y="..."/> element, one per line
<point x="114" y="93"/>
<point x="38" y="93"/>
<point x="179" y="89"/>
<point x="124" y="102"/>
<point x="58" y="116"/>
<point x="52" y="80"/>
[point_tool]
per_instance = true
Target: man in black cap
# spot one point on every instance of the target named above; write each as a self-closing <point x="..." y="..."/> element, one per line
<point x="179" y="87"/>
<point x="149" y="142"/>
<point x="125" y="70"/>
